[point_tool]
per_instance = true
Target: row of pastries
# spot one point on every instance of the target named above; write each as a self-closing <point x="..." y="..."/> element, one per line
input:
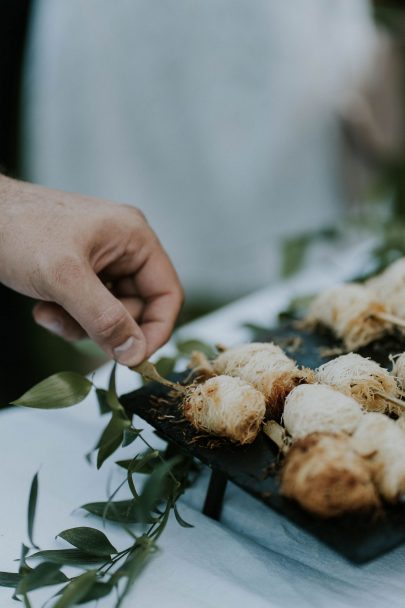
<point x="342" y="424"/>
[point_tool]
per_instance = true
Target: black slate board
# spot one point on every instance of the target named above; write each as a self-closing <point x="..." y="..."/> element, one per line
<point x="254" y="467"/>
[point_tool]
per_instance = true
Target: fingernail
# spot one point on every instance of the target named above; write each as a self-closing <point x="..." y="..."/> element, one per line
<point x="53" y="326"/>
<point x="128" y="352"/>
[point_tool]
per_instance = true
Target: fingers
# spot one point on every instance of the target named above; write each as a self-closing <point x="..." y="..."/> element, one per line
<point x="158" y="285"/>
<point x="102" y="316"/>
<point x="159" y="319"/>
<point x="56" y="320"/>
<point x="155" y="281"/>
<point x="144" y="287"/>
<point x="125" y="287"/>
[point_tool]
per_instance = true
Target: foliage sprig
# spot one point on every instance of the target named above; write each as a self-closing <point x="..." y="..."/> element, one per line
<point x="103" y="569"/>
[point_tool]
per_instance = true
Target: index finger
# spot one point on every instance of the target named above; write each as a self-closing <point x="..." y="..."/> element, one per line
<point x="159" y="287"/>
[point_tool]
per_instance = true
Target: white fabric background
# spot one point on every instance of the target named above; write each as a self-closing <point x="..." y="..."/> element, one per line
<point x="216" y="117"/>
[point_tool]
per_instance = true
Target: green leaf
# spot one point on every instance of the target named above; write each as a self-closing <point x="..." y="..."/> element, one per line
<point x="130" y="434"/>
<point x="124" y="464"/>
<point x="89" y="540"/>
<point x="155" y="487"/>
<point x="149" y="373"/>
<point x="24" y="567"/>
<point x="27" y="603"/>
<point x="144" y="464"/>
<point x="180" y="520"/>
<point x="97" y="591"/>
<point x="60" y="390"/>
<point x="165" y="366"/>
<point x="294" y="251"/>
<point x="122" y="511"/>
<point x="186" y="347"/>
<point x="131" y="485"/>
<point x="32" y="505"/>
<point x="295" y="309"/>
<point x="43" y="575"/>
<point x="111" y="438"/>
<point x="76" y="590"/>
<point x="101" y="395"/>
<point x="130" y="480"/>
<point x="134" y="564"/>
<point x="69" y="557"/>
<point x="9" y="579"/>
<point x="164" y="518"/>
<point x="257" y="330"/>
<point x="112" y="397"/>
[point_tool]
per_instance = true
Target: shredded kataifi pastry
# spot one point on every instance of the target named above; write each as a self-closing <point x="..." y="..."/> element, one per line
<point x="225" y="406"/>
<point x="360" y="378"/>
<point x="352" y="312"/>
<point x="320" y="408"/>
<point x="381" y="441"/>
<point x="266" y="367"/>
<point x="327" y="477"/>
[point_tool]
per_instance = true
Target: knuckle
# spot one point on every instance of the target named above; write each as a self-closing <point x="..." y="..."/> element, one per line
<point x="135" y="213"/>
<point x="140" y="236"/>
<point x="109" y="323"/>
<point x="139" y="215"/>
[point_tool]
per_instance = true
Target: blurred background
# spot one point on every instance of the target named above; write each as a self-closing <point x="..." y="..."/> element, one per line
<point x="256" y="136"/>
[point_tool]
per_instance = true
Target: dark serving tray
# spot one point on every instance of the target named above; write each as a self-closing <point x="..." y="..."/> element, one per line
<point x="254" y="467"/>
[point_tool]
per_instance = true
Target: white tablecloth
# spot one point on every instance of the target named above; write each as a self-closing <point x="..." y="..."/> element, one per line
<point x="252" y="557"/>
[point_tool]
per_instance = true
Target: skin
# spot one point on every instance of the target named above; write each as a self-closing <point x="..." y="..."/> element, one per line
<point x="95" y="267"/>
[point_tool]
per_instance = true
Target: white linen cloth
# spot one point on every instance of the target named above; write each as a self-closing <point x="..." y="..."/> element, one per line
<point x="216" y="117"/>
<point x="252" y="557"/>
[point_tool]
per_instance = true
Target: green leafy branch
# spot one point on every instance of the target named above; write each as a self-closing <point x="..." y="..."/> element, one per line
<point x="103" y="568"/>
<point x="184" y="348"/>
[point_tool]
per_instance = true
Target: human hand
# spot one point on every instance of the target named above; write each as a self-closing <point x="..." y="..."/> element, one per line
<point x="97" y="268"/>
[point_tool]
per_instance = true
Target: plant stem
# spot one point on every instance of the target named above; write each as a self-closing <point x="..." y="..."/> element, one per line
<point x="160" y="458"/>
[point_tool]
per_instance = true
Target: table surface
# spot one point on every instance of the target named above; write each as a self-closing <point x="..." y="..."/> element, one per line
<point x="253" y="556"/>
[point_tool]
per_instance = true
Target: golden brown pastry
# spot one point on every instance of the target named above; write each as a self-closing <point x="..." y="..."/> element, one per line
<point x="326" y="477"/>
<point x="351" y="312"/>
<point x="389" y="288"/>
<point x="266" y="367"/>
<point x="360" y="378"/>
<point x="381" y="441"/>
<point x="398" y="370"/>
<point x="225" y="406"/>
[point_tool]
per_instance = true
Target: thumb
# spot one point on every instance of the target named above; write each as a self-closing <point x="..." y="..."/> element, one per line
<point x="103" y="317"/>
